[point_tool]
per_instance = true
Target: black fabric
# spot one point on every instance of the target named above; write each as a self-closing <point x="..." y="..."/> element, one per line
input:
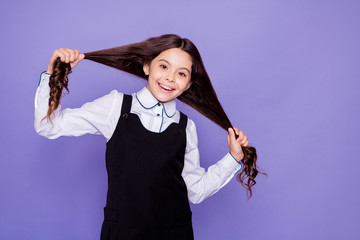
<point x="147" y="196"/>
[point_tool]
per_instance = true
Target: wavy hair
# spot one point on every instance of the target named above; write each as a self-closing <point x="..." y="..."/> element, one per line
<point x="200" y="96"/>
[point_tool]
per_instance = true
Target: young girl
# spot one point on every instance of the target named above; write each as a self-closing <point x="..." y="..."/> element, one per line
<point x="152" y="158"/>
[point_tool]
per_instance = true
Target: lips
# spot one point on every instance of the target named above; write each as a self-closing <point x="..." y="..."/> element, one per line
<point x="165" y="88"/>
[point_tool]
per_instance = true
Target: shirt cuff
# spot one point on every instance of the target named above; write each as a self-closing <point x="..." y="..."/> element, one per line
<point x="44" y="75"/>
<point x="231" y="163"/>
<point x="43" y="89"/>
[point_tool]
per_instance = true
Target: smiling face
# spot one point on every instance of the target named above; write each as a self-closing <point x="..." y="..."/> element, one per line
<point x="169" y="74"/>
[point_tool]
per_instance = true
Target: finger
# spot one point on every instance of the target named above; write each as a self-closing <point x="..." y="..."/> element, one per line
<point x="229" y="136"/>
<point x="244" y="140"/>
<point x="65" y="55"/>
<point x="236" y="130"/>
<point x="246" y="144"/>
<point x="72" y="53"/>
<point x="58" y="53"/>
<point x="232" y="142"/>
<point x="230" y="131"/>
<point x="81" y="57"/>
<point x="77" y="53"/>
<point x="240" y="133"/>
<point x="232" y="134"/>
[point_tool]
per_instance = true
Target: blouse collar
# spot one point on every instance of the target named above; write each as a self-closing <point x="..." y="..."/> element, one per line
<point x="148" y="101"/>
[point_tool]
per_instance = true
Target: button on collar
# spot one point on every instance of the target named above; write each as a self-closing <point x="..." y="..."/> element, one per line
<point x="148" y="101"/>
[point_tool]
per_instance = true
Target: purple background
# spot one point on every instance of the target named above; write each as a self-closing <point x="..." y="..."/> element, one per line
<point x="286" y="72"/>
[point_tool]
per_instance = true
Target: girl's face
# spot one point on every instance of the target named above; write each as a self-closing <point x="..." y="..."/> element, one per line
<point x="169" y="74"/>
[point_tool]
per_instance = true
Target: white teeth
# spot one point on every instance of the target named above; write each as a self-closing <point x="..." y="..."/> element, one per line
<point x="167" y="88"/>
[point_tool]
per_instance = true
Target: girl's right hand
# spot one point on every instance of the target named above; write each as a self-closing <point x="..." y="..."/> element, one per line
<point x="66" y="55"/>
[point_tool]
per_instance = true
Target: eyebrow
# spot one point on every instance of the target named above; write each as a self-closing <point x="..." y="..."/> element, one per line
<point x="170" y="64"/>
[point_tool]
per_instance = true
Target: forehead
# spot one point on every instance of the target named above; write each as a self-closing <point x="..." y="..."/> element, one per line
<point x="176" y="57"/>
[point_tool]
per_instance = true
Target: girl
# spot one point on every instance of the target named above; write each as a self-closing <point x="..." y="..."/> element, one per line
<point x="152" y="157"/>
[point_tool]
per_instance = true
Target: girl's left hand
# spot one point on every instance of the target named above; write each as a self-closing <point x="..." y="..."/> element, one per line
<point x="235" y="144"/>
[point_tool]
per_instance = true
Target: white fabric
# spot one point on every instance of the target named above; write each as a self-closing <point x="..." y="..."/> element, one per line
<point x="101" y="116"/>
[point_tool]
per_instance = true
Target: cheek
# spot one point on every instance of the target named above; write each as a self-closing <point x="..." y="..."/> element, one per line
<point x="155" y="74"/>
<point x="153" y="78"/>
<point x="184" y="85"/>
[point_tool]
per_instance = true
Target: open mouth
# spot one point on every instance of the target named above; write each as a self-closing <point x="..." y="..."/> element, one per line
<point x="166" y="88"/>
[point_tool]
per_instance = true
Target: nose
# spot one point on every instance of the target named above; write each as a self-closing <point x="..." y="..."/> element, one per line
<point x="170" y="78"/>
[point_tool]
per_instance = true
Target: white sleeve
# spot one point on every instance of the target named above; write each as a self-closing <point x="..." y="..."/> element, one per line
<point x="97" y="117"/>
<point x="200" y="183"/>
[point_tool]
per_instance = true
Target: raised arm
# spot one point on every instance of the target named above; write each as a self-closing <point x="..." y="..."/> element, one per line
<point x="66" y="55"/>
<point x="93" y="117"/>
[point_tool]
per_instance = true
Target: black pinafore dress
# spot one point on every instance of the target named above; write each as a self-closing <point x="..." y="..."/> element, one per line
<point x="147" y="196"/>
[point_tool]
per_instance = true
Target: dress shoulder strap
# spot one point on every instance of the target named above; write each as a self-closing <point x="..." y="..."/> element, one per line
<point x="183" y="121"/>
<point x="126" y="105"/>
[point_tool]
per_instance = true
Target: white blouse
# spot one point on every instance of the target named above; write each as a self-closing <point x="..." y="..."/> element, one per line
<point x="101" y="116"/>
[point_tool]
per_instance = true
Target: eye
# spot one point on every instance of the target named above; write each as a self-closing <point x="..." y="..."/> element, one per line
<point x="182" y="74"/>
<point x="163" y="66"/>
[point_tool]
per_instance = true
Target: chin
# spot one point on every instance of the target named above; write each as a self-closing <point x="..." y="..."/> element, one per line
<point x="164" y="99"/>
<point x="161" y="97"/>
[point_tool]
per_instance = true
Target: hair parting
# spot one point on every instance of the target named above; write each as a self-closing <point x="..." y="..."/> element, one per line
<point x="200" y="96"/>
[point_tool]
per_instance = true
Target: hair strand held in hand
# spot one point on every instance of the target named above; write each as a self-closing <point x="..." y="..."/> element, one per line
<point x="200" y="96"/>
<point x="57" y="82"/>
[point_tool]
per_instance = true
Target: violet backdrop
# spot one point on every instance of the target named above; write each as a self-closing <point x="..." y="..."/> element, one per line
<point x="286" y="72"/>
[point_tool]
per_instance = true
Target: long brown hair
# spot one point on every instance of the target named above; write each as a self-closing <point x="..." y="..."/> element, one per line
<point x="201" y="95"/>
